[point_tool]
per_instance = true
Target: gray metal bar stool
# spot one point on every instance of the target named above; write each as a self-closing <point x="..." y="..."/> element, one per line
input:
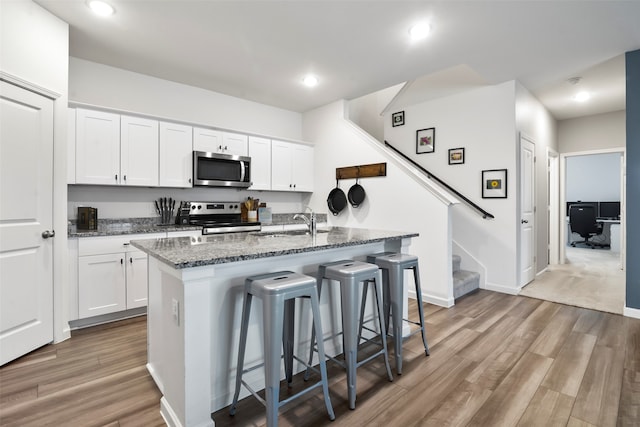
<point x="278" y="292"/>
<point x="393" y="266"/>
<point x="350" y="274"/>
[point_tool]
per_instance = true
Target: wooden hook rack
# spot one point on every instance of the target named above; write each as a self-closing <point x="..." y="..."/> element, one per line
<point x="362" y="171"/>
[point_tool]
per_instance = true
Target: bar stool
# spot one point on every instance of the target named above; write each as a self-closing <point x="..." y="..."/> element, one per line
<point x="278" y="292"/>
<point x="393" y="266"/>
<point x="350" y="274"/>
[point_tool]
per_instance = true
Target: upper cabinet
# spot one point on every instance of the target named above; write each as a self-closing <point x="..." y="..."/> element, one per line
<point x="138" y="151"/>
<point x="115" y="150"/>
<point x="291" y="166"/>
<point x="97" y="147"/>
<point x="217" y="141"/>
<point x="176" y="160"/>
<point x="260" y="153"/>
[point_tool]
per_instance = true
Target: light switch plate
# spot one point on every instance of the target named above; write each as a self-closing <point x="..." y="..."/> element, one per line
<point x="175" y="311"/>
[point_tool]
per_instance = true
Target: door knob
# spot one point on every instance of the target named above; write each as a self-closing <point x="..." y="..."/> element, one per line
<point x="524" y="221"/>
<point x="46" y="234"/>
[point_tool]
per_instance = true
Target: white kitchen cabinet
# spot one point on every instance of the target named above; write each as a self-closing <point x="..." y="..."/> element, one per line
<point x="217" y="141"/>
<point x="112" y="275"/>
<point x="235" y="144"/>
<point x="138" y="151"/>
<point x="260" y="153"/>
<point x="208" y="140"/>
<point x="97" y="147"/>
<point x="115" y="150"/>
<point x="291" y="166"/>
<point x="176" y="159"/>
<point x="71" y="145"/>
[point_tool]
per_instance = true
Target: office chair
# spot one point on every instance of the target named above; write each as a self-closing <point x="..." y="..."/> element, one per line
<point x="582" y="220"/>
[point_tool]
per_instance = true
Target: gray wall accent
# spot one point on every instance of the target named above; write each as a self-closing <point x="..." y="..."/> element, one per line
<point x="633" y="179"/>
<point x="594" y="178"/>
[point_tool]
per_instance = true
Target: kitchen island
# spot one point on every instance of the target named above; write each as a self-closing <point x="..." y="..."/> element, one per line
<point x="195" y="304"/>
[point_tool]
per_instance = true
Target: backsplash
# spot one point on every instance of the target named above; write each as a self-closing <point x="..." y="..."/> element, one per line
<point x="138" y="202"/>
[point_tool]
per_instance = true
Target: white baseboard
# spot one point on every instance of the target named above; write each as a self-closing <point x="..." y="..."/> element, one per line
<point x="502" y="289"/>
<point x="442" y="302"/>
<point x="631" y="312"/>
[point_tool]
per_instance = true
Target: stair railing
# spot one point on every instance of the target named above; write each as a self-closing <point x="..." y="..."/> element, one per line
<point x="449" y="188"/>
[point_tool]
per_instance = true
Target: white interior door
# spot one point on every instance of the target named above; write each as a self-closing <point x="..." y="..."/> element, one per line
<point x="26" y="219"/>
<point x="527" y="210"/>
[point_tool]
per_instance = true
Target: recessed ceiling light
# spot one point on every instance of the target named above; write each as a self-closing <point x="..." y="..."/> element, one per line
<point x="582" y="96"/>
<point x="310" y="81"/>
<point x="419" y="31"/>
<point x="101" y="8"/>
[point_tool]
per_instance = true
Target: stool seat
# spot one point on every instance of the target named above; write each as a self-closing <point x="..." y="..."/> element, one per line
<point x="393" y="266"/>
<point x="278" y="292"/>
<point x="350" y="274"/>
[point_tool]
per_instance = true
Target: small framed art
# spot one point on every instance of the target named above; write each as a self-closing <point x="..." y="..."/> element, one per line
<point x="456" y="156"/>
<point x="425" y="140"/>
<point x="397" y="119"/>
<point x="494" y="184"/>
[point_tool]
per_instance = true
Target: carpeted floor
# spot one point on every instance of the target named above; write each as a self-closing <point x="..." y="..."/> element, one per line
<point x="591" y="278"/>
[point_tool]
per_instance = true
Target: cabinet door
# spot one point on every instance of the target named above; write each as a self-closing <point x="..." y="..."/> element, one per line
<point x="209" y="140"/>
<point x="97" y="147"/>
<point x="101" y="284"/>
<point x="71" y="145"/>
<point x="281" y="157"/>
<point x="302" y="167"/>
<point x="175" y="155"/>
<point x="136" y="279"/>
<point x="139" y="151"/>
<point x="234" y="143"/>
<point x="260" y="153"/>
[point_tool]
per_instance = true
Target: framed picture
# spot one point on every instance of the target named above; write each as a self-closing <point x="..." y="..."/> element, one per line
<point x="494" y="184"/>
<point x="456" y="156"/>
<point x="397" y="119"/>
<point x="425" y="140"/>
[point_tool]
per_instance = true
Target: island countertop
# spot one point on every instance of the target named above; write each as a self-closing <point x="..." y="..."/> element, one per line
<point x="187" y="252"/>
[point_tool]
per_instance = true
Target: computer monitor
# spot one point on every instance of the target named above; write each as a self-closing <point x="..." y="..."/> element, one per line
<point x="594" y="204"/>
<point x="609" y="210"/>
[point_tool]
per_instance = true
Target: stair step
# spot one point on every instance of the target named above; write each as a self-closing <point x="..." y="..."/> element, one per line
<point x="465" y="282"/>
<point x="456" y="262"/>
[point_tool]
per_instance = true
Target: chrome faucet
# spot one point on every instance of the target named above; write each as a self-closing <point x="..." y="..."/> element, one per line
<point x="311" y="222"/>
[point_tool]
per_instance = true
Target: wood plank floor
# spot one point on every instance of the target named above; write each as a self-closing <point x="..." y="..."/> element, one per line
<point x="496" y="360"/>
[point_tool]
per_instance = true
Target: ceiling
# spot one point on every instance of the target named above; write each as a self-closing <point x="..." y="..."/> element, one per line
<point x="260" y="50"/>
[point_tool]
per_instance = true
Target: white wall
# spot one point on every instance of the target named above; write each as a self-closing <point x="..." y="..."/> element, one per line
<point x="105" y="86"/>
<point x="483" y="122"/>
<point x="534" y="121"/>
<point x="395" y="202"/>
<point x="594" y="178"/>
<point x="35" y="49"/>
<point x="597" y="132"/>
<point x="367" y="110"/>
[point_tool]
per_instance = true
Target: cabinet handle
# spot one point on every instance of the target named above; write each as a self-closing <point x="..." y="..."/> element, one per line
<point x="125" y="177"/>
<point x="220" y="147"/>
<point x="189" y="180"/>
<point x="226" y="148"/>
<point x="116" y="177"/>
<point x="294" y="186"/>
<point x="121" y="261"/>
<point x="131" y="260"/>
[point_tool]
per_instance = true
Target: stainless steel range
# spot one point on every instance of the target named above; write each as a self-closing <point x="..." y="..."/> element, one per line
<point x="216" y="217"/>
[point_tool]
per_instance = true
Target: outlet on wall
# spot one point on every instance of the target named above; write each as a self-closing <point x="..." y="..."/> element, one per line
<point x="175" y="311"/>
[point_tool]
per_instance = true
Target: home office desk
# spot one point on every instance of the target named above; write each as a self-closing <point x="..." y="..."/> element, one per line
<point x="610" y="234"/>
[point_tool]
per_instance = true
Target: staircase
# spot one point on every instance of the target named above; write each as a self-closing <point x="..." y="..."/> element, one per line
<point x="464" y="282"/>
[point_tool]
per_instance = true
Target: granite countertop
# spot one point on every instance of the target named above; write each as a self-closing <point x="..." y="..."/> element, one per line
<point x="186" y="252"/>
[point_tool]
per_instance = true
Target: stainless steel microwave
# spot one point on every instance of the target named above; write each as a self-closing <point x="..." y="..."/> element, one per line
<point x="221" y="170"/>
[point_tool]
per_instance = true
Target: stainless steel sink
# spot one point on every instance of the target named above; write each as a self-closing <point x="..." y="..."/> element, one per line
<point x="287" y="233"/>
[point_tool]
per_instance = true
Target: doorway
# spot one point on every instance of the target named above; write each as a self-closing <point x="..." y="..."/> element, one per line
<point x="585" y="277"/>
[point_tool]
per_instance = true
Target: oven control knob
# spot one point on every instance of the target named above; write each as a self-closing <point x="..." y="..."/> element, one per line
<point x="199" y="206"/>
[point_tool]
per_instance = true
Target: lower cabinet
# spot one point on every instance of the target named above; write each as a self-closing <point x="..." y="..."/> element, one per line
<point x="112" y="275"/>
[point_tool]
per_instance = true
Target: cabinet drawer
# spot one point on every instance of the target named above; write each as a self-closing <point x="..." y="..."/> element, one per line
<point x="112" y="244"/>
